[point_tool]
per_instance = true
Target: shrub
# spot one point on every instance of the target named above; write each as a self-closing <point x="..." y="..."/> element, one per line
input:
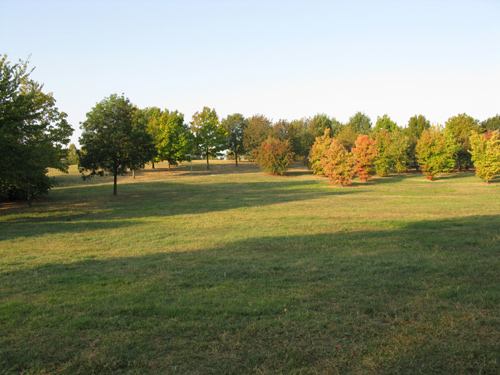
<point x="274" y="156"/>
<point x="365" y="155"/>
<point x="338" y="164"/>
<point x="436" y="152"/>
<point x="485" y="151"/>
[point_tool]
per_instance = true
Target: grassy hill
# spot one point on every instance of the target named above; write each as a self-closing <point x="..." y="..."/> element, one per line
<point x="231" y="271"/>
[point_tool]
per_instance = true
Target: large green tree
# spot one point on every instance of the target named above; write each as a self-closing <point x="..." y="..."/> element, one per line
<point x="33" y="134"/>
<point x="235" y="125"/>
<point x="113" y="141"/>
<point x="209" y="134"/>
<point x="174" y="137"/>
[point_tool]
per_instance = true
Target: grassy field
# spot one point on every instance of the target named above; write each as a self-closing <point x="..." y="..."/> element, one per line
<point x="231" y="271"/>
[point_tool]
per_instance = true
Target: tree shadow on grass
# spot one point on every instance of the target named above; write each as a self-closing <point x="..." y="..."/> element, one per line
<point x="81" y="209"/>
<point x="400" y="177"/>
<point x="454" y="175"/>
<point x="422" y="298"/>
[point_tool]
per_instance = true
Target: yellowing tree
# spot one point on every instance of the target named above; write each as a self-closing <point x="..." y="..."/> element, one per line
<point x="436" y="152"/>
<point x="318" y="152"/>
<point x="460" y="127"/>
<point x="485" y="151"/>
<point x="338" y="164"/>
<point x="384" y="161"/>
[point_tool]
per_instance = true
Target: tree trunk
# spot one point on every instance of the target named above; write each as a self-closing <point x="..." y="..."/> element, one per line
<point x="29" y="197"/>
<point x="114" y="184"/>
<point x="236" y="157"/>
<point x="208" y="166"/>
<point x="153" y="164"/>
<point x="168" y="161"/>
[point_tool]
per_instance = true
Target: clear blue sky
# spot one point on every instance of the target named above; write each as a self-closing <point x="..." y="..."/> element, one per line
<point x="283" y="59"/>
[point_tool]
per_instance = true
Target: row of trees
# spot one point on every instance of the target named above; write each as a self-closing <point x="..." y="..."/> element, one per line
<point x="437" y="150"/>
<point x="156" y="135"/>
<point x="117" y="136"/>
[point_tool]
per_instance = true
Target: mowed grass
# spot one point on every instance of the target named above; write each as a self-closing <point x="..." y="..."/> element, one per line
<point x="231" y="271"/>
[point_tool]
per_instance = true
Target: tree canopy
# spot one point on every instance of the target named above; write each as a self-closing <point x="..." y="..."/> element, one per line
<point x="174" y="138"/>
<point x="360" y="123"/>
<point x="33" y="134"/>
<point x="485" y="150"/>
<point x="112" y="141"/>
<point x="460" y="127"/>
<point x="73" y="155"/>
<point x="274" y="156"/>
<point x="149" y="118"/>
<point x="416" y="125"/>
<point x="492" y="123"/>
<point x="209" y="134"/>
<point x="258" y="129"/>
<point x="436" y="151"/>
<point x="235" y="125"/>
<point x="386" y="123"/>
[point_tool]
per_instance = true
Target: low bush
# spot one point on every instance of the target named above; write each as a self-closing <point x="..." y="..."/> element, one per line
<point x="274" y="156"/>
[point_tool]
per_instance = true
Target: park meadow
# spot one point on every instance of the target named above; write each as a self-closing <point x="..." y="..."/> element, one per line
<point x="234" y="271"/>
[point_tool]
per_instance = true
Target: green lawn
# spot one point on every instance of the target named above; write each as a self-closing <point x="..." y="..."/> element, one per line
<point x="231" y="271"/>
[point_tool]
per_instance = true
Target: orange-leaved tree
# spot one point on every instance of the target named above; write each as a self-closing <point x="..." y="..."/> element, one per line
<point x="365" y="154"/>
<point x="318" y="150"/>
<point x="338" y="164"/>
<point x="274" y="156"/>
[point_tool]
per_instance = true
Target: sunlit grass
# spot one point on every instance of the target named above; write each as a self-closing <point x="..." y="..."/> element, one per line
<point x="231" y="271"/>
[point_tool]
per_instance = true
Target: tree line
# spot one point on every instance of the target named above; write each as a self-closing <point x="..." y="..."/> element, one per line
<point x="117" y="137"/>
<point x="461" y="144"/>
<point x="158" y="135"/>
